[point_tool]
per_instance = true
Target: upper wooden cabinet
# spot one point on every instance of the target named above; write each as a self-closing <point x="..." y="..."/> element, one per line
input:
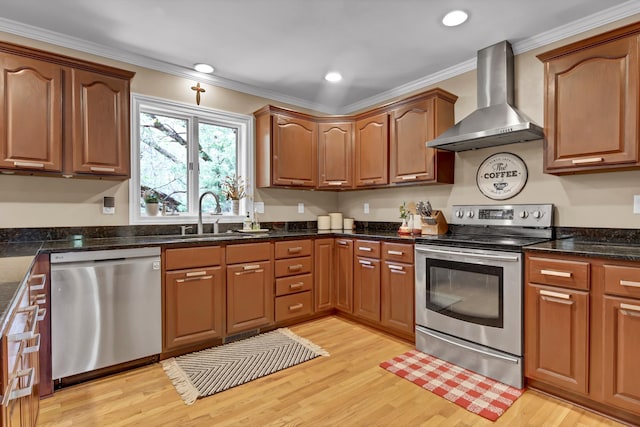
<point x="382" y="147"/>
<point x="31" y="114"/>
<point x="591" y="104"/>
<point x="413" y="123"/>
<point x="335" y="155"/>
<point x="100" y="132"/>
<point x="371" y="153"/>
<point x="286" y="149"/>
<point x="62" y="116"/>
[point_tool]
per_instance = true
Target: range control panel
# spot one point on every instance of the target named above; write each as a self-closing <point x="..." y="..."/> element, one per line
<point x="505" y="215"/>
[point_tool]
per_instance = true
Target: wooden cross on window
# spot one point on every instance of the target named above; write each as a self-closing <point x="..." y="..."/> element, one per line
<point x="198" y="89"/>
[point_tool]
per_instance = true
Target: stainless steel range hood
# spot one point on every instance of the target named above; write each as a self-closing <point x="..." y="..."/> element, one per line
<point x="496" y="121"/>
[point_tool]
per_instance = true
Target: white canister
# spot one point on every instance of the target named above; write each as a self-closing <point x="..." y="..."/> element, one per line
<point x="347" y="224"/>
<point x="324" y="222"/>
<point x="336" y="220"/>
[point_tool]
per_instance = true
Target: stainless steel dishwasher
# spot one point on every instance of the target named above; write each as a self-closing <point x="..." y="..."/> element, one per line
<point x="105" y="308"/>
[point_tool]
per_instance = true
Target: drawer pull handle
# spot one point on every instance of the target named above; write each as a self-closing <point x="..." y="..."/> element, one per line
<point x="554" y="294"/>
<point x="37" y="286"/>
<point x="364" y="249"/>
<point x="396" y="267"/>
<point x="32" y="313"/>
<point x="629" y="307"/>
<point x="588" y="160"/>
<point x="240" y="273"/>
<point x="102" y="169"/>
<point x="296" y="267"/>
<point x="334" y="182"/>
<point x="342" y="243"/>
<point x="296" y="285"/>
<point x="295" y="307"/>
<point x="406" y="177"/>
<point x="29" y="164"/>
<point x="42" y="313"/>
<point x="399" y="253"/>
<point x="369" y="181"/>
<point x="295" y="250"/>
<point x="297" y="182"/>
<point x="251" y="267"/>
<point x="555" y="273"/>
<point x="34" y="348"/>
<point x="363" y="262"/>
<point x="17" y="393"/>
<point x="193" y="279"/>
<point x="630" y="283"/>
<point x="196" y="273"/>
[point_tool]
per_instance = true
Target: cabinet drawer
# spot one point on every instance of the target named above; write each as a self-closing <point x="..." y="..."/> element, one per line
<point x="290" y="285"/>
<point x="622" y="280"/>
<point x="248" y="252"/>
<point x="556" y="272"/>
<point x="367" y="248"/>
<point x="177" y="259"/>
<point x="295" y="305"/>
<point x="292" y="248"/>
<point x="293" y="266"/>
<point x="397" y="252"/>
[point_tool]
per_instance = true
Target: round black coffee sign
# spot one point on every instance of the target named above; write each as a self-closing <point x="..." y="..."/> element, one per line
<point x="501" y="176"/>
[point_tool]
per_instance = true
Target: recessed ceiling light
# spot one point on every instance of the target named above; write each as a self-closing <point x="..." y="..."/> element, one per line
<point x="203" y="68"/>
<point x="455" y="17"/>
<point x="333" y="77"/>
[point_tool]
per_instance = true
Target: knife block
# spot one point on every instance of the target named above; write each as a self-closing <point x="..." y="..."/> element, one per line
<point x="435" y="224"/>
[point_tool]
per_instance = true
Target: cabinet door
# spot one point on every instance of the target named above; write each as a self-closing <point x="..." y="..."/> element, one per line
<point x="372" y="145"/>
<point x="335" y="159"/>
<point x="398" y="290"/>
<point x="294" y="152"/>
<point x="556" y="336"/>
<point x="344" y="275"/>
<point x="366" y="288"/>
<point x="193" y="306"/>
<point x="100" y="129"/>
<point x="411" y="127"/>
<point x="621" y="376"/>
<point x="249" y="296"/>
<point x="591" y="110"/>
<point x="31" y="114"/>
<point x="323" y="271"/>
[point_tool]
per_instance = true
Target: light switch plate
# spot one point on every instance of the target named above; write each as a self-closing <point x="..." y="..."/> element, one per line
<point x="108" y="211"/>
<point x="366" y="208"/>
<point x="300" y="207"/>
<point x="258" y="206"/>
<point x="636" y="204"/>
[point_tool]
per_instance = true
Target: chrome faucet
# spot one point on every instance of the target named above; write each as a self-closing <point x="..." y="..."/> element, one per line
<point x="217" y="211"/>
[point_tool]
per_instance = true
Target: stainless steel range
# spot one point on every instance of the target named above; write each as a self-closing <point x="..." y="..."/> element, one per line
<point x="469" y="287"/>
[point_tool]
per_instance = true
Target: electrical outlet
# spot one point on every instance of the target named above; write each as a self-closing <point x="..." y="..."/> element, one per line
<point x="636" y="204"/>
<point x="366" y="208"/>
<point x="258" y="206"/>
<point x="300" y="207"/>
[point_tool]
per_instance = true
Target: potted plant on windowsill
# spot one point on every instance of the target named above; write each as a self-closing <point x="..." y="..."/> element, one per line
<point x="233" y="188"/>
<point x="151" y="202"/>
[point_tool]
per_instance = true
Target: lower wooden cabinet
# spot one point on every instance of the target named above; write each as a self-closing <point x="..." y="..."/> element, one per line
<point x="344" y="274"/>
<point x="194" y="305"/>
<point x="249" y="296"/>
<point x="398" y="297"/>
<point x="556" y="336"/>
<point x="323" y="274"/>
<point x="366" y="288"/>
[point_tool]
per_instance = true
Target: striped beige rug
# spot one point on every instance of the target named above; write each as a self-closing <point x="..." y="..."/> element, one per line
<point x="216" y="369"/>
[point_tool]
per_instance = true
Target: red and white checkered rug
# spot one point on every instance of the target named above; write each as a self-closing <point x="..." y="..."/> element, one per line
<point x="474" y="392"/>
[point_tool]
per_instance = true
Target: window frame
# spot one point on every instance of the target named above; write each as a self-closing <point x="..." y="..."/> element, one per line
<point x="244" y="156"/>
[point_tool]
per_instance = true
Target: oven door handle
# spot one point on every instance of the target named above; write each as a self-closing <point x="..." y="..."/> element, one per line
<point x="477" y="350"/>
<point x="471" y="254"/>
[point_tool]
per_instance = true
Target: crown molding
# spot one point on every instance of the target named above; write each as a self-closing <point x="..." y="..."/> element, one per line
<point x="596" y="20"/>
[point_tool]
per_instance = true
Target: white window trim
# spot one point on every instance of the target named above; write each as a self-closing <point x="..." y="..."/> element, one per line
<point x="245" y="157"/>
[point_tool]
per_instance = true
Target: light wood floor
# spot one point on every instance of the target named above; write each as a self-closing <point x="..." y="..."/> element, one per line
<point x="346" y="389"/>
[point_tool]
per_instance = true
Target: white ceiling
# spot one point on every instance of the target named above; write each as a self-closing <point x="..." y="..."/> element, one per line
<point x="281" y="49"/>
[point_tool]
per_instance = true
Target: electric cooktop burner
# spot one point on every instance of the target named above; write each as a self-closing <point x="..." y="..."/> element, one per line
<point x="501" y="227"/>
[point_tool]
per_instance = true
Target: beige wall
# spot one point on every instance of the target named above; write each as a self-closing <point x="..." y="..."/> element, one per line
<point x="594" y="200"/>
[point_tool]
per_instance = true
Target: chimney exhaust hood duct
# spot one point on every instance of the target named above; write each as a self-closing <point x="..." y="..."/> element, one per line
<point x="496" y="121"/>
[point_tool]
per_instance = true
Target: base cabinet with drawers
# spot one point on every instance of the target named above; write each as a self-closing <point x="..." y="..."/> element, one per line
<point x="366" y="280"/>
<point x="194" y="299"/>
<point x="293" y="268"/>
<point x="582" y="329"/>
<point x="398" y="288"/>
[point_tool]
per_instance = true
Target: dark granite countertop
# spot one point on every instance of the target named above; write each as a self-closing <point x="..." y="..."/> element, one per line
<point x="593" y="249"/>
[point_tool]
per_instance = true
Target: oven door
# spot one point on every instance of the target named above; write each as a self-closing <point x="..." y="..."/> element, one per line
<point x="472" y="294"/>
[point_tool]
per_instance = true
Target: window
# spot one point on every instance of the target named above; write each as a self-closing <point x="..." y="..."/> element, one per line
<point x="179" y="152"/>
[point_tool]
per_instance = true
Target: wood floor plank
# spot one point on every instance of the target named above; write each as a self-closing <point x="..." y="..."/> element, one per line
<point x="346" y="389"/>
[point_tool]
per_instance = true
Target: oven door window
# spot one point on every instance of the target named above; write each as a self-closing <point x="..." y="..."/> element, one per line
<point x="469" y="292"/>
